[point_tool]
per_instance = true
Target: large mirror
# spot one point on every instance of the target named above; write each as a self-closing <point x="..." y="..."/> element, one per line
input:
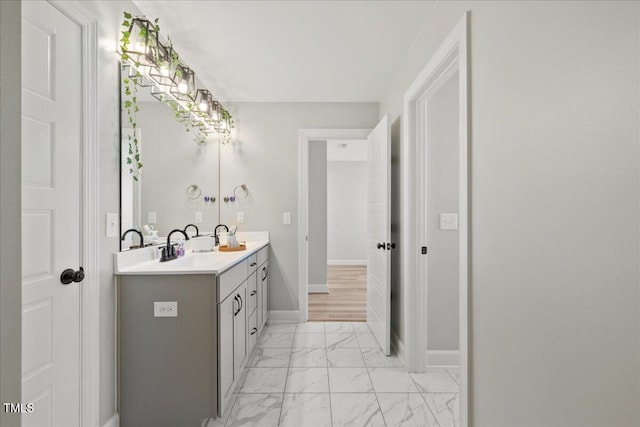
<point x="179" y="181"/>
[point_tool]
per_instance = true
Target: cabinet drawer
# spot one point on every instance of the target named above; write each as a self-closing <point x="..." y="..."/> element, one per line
<point x="263" y="255"/>
<point x="252" y="330"/>
<point x="252" y="262"/>
<point x="252" y="292"/>
<point x="230" y="279"/>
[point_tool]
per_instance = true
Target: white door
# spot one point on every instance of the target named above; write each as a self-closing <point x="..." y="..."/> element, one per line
<point x="51" y="140"/>
<point x="379" y="234"/>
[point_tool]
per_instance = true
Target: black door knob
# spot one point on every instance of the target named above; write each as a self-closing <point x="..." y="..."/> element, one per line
<point x="381" y="246"/>
<point x="70" y="275"/>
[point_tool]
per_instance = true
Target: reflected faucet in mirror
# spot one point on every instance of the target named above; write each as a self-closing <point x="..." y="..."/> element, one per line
<point x="169" y="252"/>
<point x="194" y="226"/>
<point x="215" y="233"/>
<point x="133" y="230"/>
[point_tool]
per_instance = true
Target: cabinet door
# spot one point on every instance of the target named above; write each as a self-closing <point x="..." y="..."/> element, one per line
<point x="240" y="329"/>
<point x="226" y="314"/>
<point x="264" y="291"/>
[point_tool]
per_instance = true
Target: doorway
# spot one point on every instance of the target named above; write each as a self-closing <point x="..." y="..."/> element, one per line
<point x="436" y="237"/>
<point x="337" y="230"/>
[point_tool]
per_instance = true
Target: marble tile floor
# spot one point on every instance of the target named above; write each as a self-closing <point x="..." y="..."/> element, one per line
<point x="333" y="374"/>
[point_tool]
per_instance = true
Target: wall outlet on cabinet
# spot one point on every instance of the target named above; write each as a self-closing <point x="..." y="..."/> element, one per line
<point x="286" y="218"/>
<point x="240" y="218"/>
<point x="198" y="218"/>
<point x="152" y="218"/>
<point x="165" y="309"/>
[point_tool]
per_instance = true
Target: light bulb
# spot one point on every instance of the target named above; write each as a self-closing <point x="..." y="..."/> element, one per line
<point x="164" y="70"/>
<point x="203" y="106"/>
<point x="182" y="87"/>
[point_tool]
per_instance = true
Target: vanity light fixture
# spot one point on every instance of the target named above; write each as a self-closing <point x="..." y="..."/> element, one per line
<point x="172" y="81"/>
<point x="185" y="88"/>
<point x="143" y="43"/>
<point x="164" y="71"/>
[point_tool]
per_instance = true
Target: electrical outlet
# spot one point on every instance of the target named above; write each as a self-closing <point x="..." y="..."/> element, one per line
<point x="112" y="224"/>
<point x="152" y="218"/>
<point x="240" y="217"/>
<point x="198" y="218"/>
<point x="286" y="218"/>
<point x="165" y="309"/>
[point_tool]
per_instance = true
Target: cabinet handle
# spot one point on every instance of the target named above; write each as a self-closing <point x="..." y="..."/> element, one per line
<point x="235" y="312"/>
<point x="253" y="331"/>
<point x="264" y="273"/>
<point x="253" y="264"/>
<point x="241" y="303"/>
<point x="254" y="293"/>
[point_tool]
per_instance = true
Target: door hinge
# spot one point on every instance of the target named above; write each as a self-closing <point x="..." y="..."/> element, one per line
<point x="424" y="250"/>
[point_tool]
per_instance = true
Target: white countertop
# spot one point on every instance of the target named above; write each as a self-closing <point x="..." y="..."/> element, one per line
<point x="146" y="261"/>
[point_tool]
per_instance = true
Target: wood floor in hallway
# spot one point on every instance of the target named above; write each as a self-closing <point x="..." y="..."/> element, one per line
<point x="347" y="297"/>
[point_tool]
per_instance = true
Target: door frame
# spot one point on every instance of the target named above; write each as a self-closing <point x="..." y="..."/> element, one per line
<point x="452" y="51"/>
<point x="304" y="136"/>
<point x="89" y="290"/>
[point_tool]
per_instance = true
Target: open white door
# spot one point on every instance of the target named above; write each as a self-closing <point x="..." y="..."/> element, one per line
<point x="379" y="234"/>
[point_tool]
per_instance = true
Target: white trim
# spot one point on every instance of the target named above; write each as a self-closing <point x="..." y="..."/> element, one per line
<point x="304" y="136"/>
<point x="319" y="289"/>
<point x="347" y="262"/>
<point x="453" y="49"/>
<point x="398" y="346"/>
<point x="284" y="316"/>
<point x="114" y="421"/>
<point x="442" y="358"/>
<point x="90" y="339"/>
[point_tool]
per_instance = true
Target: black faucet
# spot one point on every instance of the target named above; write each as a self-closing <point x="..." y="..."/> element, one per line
<point x="194" y="226"/>
<point x="133" y="230"/>
<point x="215" y="233"/>
<point x="169" y="252"/>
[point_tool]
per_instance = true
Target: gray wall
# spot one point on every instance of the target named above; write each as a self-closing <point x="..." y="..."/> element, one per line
<point x="554" y="168"/>
<point x="317" y="213"/>
<point x="172" y="162"/>
<point x="265" y="157"/>
<point x="347" y="211"/>
<point x="442" y="188"/>
<point x="10" y="214"/>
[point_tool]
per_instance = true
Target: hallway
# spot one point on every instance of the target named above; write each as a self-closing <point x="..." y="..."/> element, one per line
<point x="347" y="297"/>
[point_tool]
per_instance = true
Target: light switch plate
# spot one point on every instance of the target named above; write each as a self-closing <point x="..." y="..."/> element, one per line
<point x="286" y="218"/>
<point x="112" y="224"/>
<point x="165" y="309"/>
<point x="152" y="218"/>
<point x="240" y="217"/>
<point x="198" y="219"/>
<point x="448" y="221"/>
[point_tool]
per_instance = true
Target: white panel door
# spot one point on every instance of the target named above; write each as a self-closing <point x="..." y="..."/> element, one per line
<point x="51" y="141"/>
<point x="379" y="234"/>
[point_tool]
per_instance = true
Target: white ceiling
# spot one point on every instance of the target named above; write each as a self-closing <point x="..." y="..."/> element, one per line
<point x="291" y="51"/>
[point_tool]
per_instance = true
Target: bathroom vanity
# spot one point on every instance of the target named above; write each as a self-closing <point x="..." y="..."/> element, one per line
<point x="186" y="329"/>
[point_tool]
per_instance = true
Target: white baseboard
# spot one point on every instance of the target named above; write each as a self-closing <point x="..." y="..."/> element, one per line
<point x="283" y="316"/>
<point x="114" y="421"/>
<point x="319" y="289"/>
<point x="347" y="262"/>
<point x="397" y="345"/>
<point x="443" y="358"/>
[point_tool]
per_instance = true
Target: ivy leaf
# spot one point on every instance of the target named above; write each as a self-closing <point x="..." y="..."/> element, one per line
<point x="125" y="23"/>
<point x="139" y="165"/>
<point x="127" y="103"/>
<point x="127" y="15"/>
<point x="129" y="161"/>
<point x="135" y="178"/>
